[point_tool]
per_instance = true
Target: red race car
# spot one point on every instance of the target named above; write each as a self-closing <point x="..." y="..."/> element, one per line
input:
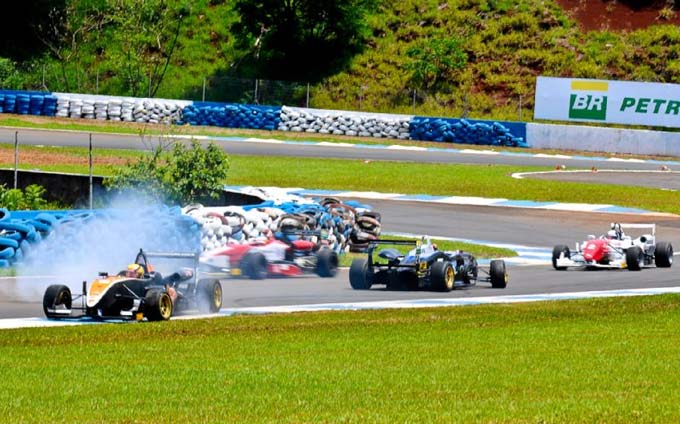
<point x="289" y="254"/>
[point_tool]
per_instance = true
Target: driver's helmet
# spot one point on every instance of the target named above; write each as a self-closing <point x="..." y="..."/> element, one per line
<point x="134" y="271"/>
<point x="611" y="234"/>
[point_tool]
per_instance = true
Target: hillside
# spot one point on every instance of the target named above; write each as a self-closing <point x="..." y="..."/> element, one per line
<point x="499" y="47"/>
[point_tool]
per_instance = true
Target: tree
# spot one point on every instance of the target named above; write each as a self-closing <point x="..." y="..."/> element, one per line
<point x="300" y="39"/>
<point x="434" y="60"/>
<point x="131" y="42"/>
<point x="180" y="175"/>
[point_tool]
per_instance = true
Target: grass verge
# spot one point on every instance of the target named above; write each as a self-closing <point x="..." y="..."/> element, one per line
<point x="491" y="181"/>
<point x="600" y="360"/>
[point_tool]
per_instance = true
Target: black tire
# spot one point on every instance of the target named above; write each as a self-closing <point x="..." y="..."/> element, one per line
<point x="557" y="250"/>
<point x="498" y="274"/>
<point x="57" y="296"/>
<point x="663" y="254"/>
<point x="442" y="276"/>
<point x="254" y="266"/>
<point x="157" y="305"/>
<point x="209" y="296"/>
<point x="360" y="275"/>
<point x="326" y="263"/>
<point x="634" y="258"/>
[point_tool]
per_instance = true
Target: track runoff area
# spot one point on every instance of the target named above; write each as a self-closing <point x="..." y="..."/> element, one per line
<point x="530" y="231"/>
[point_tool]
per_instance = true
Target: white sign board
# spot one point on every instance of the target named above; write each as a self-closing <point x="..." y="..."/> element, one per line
<point x="613" y="102"/>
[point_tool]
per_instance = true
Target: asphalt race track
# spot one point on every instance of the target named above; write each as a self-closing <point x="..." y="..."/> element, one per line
<point x="22" y="297"/>
<point x="519" y="226"/>
<point x="117" y="141"/>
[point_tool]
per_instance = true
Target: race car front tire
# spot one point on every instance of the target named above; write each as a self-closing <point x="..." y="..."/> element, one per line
<point x="326" y="263"/>
<point x="360" y="274"/>
<point x="663" y="254"/>
<point x="557" y="251"/>
<point x="442" y="276"/>
<point x="254" y="265"/>
<point x="56" y="296"/>
<point x="634" y="258"/>
<point x="209" y="296"/>
<point x="157" y="305"/>
<point x="498" y="274"/>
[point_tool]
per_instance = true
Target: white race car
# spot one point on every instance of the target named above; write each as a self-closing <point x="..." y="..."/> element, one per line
<point x="615" y="249"/>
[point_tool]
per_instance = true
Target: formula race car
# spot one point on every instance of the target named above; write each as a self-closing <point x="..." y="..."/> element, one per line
<point x="423" y="267"/>
<point x="138" y="292"/>
<point x="615" y="249"/>
<point x="289" y="254"/>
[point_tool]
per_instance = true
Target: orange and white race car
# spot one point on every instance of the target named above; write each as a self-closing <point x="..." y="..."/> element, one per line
<point x="138" y="292"/>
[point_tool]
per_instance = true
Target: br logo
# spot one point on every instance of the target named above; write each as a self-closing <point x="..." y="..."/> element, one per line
<point x="588" y="100"/>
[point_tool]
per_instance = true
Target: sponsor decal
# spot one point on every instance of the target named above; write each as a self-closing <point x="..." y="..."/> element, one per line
<point x="588" y="100"/>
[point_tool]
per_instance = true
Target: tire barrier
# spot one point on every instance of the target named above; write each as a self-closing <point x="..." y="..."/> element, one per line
<point x="344" y="123"/>
<point x="344" y="226"/>
<point x="232" y="115"/>
<point x="112" y="108"/>
<point x="28" y="102"/>
<point x="291" y="119"/>
<point x="42" y="239"/>
<point x="467" y="132"/>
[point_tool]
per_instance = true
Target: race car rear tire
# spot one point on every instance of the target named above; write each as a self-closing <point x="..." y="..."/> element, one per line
<point x="634" y="258"/>
<point x="254" y="265"/>
<point x="498" y="274"/>
<point x="442" y="276"/>
<point x="157" y="305"/>
<point x="56" y="296"/>
<point x="209" y="296"/>
<point x="360" y="274"/>
<point x="663" y="255"/>
<point x="326" y="263"/>
<point x="557" y="250"/>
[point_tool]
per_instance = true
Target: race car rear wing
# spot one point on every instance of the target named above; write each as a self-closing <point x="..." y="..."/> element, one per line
<point x="372" y="244"/>
<point x="638" y="226"/>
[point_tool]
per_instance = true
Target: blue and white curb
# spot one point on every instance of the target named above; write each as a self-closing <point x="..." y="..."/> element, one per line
<point x="467" y="201"/>
<point x="16" y="323"/>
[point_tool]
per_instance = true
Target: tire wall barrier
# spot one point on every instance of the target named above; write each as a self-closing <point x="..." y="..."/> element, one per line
<point x="602" y="139"/>
<point x="230" y="115"/>
<point x="104" y="238"/>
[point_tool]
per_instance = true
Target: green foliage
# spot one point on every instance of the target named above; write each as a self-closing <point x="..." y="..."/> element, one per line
<point x="31" y="198"/>
<point x="181" y="175"/>
<point x="435" y="59"/>
<point x="9" y="75"/>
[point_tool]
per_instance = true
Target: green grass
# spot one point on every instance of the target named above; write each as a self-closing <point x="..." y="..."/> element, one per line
<point x="478" y="250"/>
<point x="491" y="181"/>
<point x="601" y="360"/>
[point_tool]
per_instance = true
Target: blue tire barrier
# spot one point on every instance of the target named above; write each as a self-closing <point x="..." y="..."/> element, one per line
<point x="9" y="103"/>
<point x="2" y="102"/>
<point x="232" y="115"/>
<point x="464" y="131"/>
<point x="23" y="104"/>
<point x="18" y="255"/>
<point x="16" y="226"/>
<point x="8" y="242"/>
<point x="12" y="234"/>
<point x="4" y="214"/>
<point x="7" y="253"/>
<point x="46" y="218"/>
<point x="4" y="263"/>
<point x="40" y="226"/>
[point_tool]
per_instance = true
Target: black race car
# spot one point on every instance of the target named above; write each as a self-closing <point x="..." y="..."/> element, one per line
<point x="138" y="292"/>
<point x="423" y="267"/>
